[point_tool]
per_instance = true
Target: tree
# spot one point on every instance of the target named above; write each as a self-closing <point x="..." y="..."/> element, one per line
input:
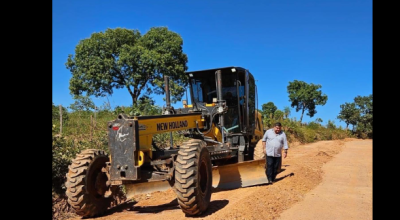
<point x="305" y="97"/>
<point x="359" y="114"/>
<point x="286" y="110"/>
<point x="146" y="106"/>
<point x="318" y="120"/>
<point x="278" y="115"/>
<point x="365" y="121"/>
<point x="268" y="110"/>
<point x="122" y="58"/>
<point x="330" y="125"/>
<point x="349" y="114"/>
<point x="82" y="103"/>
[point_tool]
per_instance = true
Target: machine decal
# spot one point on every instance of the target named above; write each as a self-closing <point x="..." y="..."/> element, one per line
<point x="116" y="126"/>
<point x="172" y="125"/>
<point x="121" y="137"/>
<point x="142" y="127"/>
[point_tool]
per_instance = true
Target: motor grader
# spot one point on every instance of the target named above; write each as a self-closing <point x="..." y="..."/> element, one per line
<point x="222" y="125"/>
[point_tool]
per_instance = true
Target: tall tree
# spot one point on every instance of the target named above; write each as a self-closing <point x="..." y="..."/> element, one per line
<point x="305" y="97"/>
<point x="349" y="114"/>
<point x="365" y="122"/>
<point x="123" y="58"/>
<point x="268" y="110"/>
<point x="286" y="110"/>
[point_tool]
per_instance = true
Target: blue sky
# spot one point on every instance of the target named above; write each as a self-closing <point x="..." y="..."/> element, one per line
<point x="325" y="42"/>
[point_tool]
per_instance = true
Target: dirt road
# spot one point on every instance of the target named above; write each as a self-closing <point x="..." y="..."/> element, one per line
<point x="325" y="180"/>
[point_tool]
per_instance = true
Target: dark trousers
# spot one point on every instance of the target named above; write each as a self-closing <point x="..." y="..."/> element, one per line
<point x="272" y="164"/>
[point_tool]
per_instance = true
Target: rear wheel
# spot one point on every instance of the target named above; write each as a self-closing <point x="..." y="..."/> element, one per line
<point x="193" y="177"/>
<point x="87" y="189"/>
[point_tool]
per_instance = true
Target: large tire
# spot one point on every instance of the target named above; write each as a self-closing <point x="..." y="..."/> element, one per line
<point x="193" y="177"/>
<point x="86" y="183"/>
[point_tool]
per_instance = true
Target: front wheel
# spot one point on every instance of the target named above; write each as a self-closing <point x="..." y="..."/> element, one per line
<point x="87" y="189"/>
<point x="193" y="177"/>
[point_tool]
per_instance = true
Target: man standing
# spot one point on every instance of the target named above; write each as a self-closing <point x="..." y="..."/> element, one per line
<point x="273" y="141"/>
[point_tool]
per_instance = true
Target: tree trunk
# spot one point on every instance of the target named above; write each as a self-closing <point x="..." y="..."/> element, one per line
<point x="301" y="117"/>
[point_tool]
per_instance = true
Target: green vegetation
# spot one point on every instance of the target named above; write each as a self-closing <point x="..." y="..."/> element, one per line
<point x="305" y="97"/>
<point x="359" y="115"/>
<point x="122" y="58"/>
<point x="268" y="111"/>
<point x="313" y="131"/>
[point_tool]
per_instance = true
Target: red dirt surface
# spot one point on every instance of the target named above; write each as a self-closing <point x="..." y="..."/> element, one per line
<point x="323" y="180"/>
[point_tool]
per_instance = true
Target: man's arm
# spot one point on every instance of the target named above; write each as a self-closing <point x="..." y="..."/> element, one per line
<point x="264" y="143"/>
<point x="285" y="145"/>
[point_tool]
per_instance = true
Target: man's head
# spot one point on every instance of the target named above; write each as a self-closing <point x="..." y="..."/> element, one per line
<point x="277" y="127"/>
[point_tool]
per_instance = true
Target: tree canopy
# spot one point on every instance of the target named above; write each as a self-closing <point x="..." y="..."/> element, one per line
<point x="365" y="122"/>
<point x="123" y="58"/>
<point x="268" y="111"/>
<point x="287" y="111"/>
<point x="305" y="97"/>
<point x="349" y="114"/>
<point x="359" y="114"/>
<point x="82" y="103"/>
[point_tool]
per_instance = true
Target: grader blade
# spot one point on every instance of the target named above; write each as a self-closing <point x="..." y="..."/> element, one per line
<point x="146" y="187"/>
<point x="243" y="174"/>
<point x="232" y="176"/>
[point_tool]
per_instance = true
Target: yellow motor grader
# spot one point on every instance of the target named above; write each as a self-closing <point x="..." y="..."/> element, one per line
<point x="222" y="125"/>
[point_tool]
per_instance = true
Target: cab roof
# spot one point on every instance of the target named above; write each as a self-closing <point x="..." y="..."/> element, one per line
<point x="240" y="69"/>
